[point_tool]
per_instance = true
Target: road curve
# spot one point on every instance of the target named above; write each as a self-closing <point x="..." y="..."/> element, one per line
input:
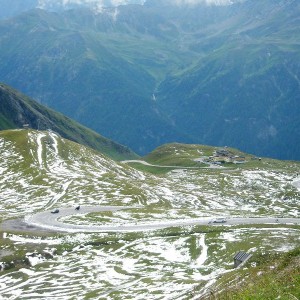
<point x="51" y="221"/>
<point x="142" y="162"/>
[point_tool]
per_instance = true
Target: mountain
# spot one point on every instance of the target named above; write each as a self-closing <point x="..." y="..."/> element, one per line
<point x="246" y="93"/>
<point x="98" y="82"/>
<point x="97" y="5"/>
<point x="56" y="166"/>
<point x="40" y="171"/>
<point x="17" y="110"/>
<point x="14" y="7"/>
<point x="144" y="75"/>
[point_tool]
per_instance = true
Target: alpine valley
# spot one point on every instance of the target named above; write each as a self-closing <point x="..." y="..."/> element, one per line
<point x="78" y="224"/>
<point x="18" y="111"/>
<point x="209" y="72"/>
<point x="212" y="212"/>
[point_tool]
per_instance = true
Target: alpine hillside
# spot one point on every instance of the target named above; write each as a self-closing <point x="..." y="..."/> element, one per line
<point x="40" y="171"/>
<point x="208" y="72"/>
<point x="19" y="111"/>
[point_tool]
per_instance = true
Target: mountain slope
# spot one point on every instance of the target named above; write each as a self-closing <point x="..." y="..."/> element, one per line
<point x="42" y="165"/>
<point x="245" y="93"/>
<point x="255" y="110"/>
<point x="40" y="171"/>
<point x="86" y="67"/>
<point x="17" y="110"/>
<point x="15" y="7"/>
<point x="157" y="73"/>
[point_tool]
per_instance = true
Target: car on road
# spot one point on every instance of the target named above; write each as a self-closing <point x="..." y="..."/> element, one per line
<point x="220" y="220"/>
<point x="55" y="211"/>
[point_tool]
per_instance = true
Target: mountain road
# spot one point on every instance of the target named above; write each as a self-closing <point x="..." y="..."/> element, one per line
<point x="52" y="221"/>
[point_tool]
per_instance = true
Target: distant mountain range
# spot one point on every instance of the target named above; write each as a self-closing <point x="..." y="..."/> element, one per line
<point x="18" y="111"/>
<point x="144" y="75"/>
<point x="15" y="7"/>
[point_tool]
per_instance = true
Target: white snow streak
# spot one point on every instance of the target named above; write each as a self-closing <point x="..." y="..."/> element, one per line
<point x="40" y="149"/>
<point x="204" y="253"/>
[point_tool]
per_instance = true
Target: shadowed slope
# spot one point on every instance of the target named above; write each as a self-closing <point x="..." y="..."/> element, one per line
<point x="16" y="110"/>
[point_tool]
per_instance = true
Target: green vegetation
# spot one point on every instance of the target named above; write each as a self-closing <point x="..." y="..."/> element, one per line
<point x="150" y="169"/>
<point x="150" y="75"/>
<point x="273" y="277"/>
<point x="178" y="155"/>
<point x="17" y="109"/>
<point x="41" y="170"/>
<point x="14" y="255"/>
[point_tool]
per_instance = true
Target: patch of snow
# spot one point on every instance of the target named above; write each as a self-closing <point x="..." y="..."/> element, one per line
<point x="229" y="236"/>
<point x="204" y="253"/>
<point x="40" y="149"/>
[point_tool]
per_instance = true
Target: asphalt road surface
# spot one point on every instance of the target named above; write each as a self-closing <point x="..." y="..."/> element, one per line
<point x="51" y="221"/>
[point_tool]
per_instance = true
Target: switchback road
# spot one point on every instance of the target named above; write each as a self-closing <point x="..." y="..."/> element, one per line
<point x="51" y="221"/>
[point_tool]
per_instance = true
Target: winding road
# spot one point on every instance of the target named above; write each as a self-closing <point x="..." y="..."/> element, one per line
<point x="142" y="162"/>
<point x="52" y="221"/>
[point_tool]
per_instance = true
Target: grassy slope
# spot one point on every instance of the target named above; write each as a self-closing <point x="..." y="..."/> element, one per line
<point x="118" y="181"/>
<point x="40" y="169"/>
<point x="17" y="109"/>
<point x="275" y="276"/>
<point x="184" y="154"/>
<point x="177" y="154"/>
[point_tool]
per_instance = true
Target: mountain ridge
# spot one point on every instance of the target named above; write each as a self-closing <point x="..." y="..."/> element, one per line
<point x="145" y="76"/>
<point x="17" y="111"/>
